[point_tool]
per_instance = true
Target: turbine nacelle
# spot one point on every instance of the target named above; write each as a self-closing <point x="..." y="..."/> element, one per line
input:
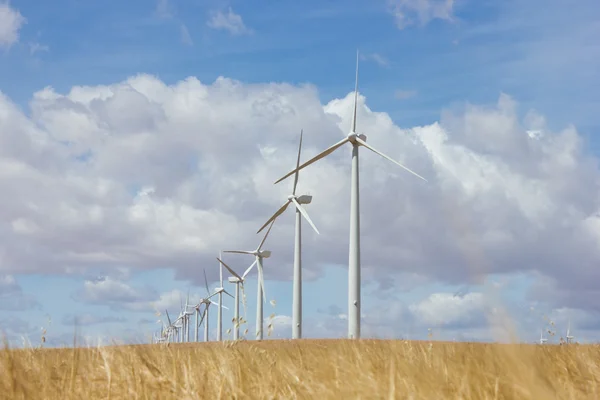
<point x="264" y="253"/>
<point x="234" y="279"/>
<point x="304" y="199"/>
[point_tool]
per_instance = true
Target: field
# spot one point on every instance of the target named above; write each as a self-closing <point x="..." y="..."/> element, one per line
<point x="304" y="369"/>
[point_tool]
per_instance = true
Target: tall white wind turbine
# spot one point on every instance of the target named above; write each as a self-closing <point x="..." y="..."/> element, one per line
<point x="259" y="254"/>
<point x="356" y="141"/>
<point x="300" y="212"/>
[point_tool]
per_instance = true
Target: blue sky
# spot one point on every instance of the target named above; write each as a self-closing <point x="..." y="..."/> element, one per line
<point x="448" y="53"/>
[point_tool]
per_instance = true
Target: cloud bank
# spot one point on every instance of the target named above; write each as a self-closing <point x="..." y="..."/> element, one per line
<point x="143" y="175"/>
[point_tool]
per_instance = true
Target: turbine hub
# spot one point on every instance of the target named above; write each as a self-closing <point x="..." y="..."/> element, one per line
<point x="352" y="137"/>
<point x="291" y="196"/>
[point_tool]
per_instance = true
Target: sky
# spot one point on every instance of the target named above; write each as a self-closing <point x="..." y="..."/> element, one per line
<point x="138" y="139"/>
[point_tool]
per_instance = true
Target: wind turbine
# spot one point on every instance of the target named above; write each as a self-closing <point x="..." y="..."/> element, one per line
<point x="297" y="285"/>
<point x="207" y="302"/>
<point x="542" y="339"/>
<point x="569" y="336"/>
<point x="237" y="280"/>
<point x="220" y="290"/>
<point x="356" y="141"/>
<point x="259" y="254"/>
<point x="185" y="315"/>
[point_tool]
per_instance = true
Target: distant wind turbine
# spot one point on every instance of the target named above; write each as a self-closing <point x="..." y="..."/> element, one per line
<point x="207" y="302"/>
<point x="220" y="290"/>
<point x="569" y="336"/>
<point x="237" y="281"/>
<point x="356" y="141"/>
<point x="259" y="254"/>
<point x="542" y="339"/>
<point x="297" y="285"/>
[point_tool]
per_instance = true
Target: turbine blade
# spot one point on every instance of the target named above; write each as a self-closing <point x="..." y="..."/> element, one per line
<point x="277" y="214"/>
<point x="206" y="283"/>
<point x="363" y="143"/>
<point x="305" y="215"/>
<point x="232" y="272"/>
<point x="168" y="318"/>
<point x="202" y="318"/>
<point x="220" y="270"/>
<point x="355" y="96"/>
<point x="249" y="269"/>
<point x="324" y="153"/>
<point x="265" y="238"/>
<point x="212" y="295"/>
<point x="297" y="164"/>
<point x="217" y="304"/>
<point x="228" y="294"/>
<point x="238" y="251"/>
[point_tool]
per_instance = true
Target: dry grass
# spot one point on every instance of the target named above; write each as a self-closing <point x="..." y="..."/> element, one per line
<point x="305" y="369"/>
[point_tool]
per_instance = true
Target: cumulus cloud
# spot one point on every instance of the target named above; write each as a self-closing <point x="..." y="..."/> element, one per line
<point x="401" y="94"/>
<point x="12" y="297"/>
<point x="228" y="21"/>
<point x="120" y="295"/>
<point x="89" y="319"/>
<point x="277" y="326"/>
<point x="376" y="57"/>
<point x="450" y="310"/>
<point x="405" y="11"/>
<point x="186" y="38"/>
<point x="147" y="175"/>
<point x="11" y="22"/>
<point x="19" y="331"/>
<point x="113" y="292"/>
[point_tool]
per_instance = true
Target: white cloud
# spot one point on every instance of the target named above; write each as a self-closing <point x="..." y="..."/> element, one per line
<point x="121" y="295"/>
<point x="442" y="309"/>
<point x="11" y="21"/>
<point x="111" y="291"/>
<point x="404" y="11"/>
<point x="378" y="58"/>
<point x="164" y="9"/>
<point x="144" y="175"/>
<point x="12" y="297"/>
<point x="229" y="21"/>
<point x="404" y="94"/>
<point x="88" y="319"/>
<point x="186" y="38"/>
<point x="35" y="47"/>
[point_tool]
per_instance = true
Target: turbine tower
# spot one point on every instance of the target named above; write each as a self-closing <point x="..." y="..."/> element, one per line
<point x="356" y="140"/>
<point x="259" y="254"/>
<point x="300" y="212"/>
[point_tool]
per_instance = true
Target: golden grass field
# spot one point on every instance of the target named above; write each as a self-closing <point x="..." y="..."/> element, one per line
<point x="304" y="369"/>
